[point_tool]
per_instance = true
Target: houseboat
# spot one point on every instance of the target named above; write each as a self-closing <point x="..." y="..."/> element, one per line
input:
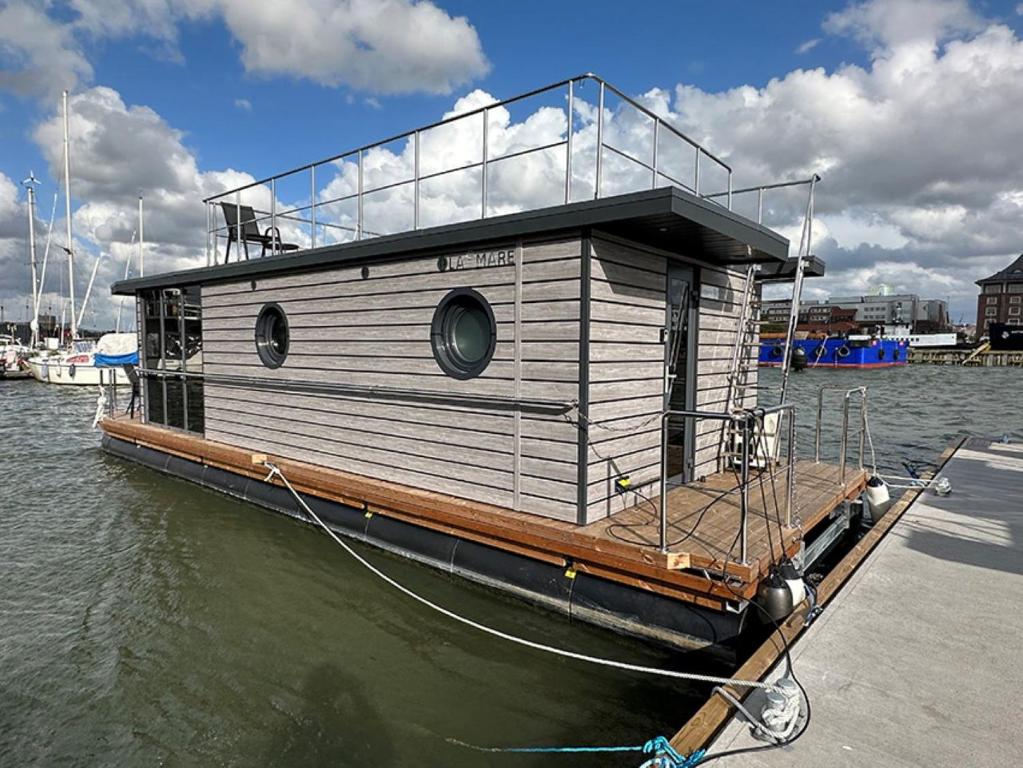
<point x="508" y="397"/>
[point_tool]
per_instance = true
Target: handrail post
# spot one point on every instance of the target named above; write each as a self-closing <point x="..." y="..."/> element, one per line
<point x="209" y="232"/>
<point x="568" y="144"/>
<point x="237" y="227"/>
<point x="820" y="418"/>
<point x="744" y="491"/>
<point x="653" y="161"/>
<point x="791" y="491"/>
<point x="415" y="182"/>
<point x="273" y="217"/>
<point x="358" y="223"/>
<point x="729" y="189"/>
<point x="483" y="174"/>
<point x="312" y="206"/>
<point x="863" y="423"/>
<point x="760" y="205"/>
<point x="600" y="139"/>
<point x="696" y="174"/>
<point x="664" y="482"/>
<point x="845" y="438"/>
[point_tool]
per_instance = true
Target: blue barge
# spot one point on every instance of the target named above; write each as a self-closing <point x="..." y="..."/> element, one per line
<point x="840" y="352"/>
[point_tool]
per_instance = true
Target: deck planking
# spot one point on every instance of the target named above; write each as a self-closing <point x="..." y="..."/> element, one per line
<point x="593" y="548"/>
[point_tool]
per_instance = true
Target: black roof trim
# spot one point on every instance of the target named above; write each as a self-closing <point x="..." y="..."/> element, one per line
<point x="667" y="218"/>
<point x="784" y="271"/>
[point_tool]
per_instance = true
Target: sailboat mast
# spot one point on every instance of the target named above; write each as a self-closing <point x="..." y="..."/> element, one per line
<point x="30" y="183"/>
<point x="67" y="216"/>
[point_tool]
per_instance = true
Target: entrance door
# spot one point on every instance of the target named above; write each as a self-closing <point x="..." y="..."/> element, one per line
<point x="679" y="378"/>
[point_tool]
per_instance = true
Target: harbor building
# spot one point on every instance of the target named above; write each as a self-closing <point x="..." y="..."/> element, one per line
<point x="1001" y="298"/>
<point x="874" y="312"/>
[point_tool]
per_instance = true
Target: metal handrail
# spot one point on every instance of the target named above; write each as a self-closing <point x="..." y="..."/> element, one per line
<point x="844" y="437"/>
<point x="744" y="419"/>
<point x="657" y="125"/>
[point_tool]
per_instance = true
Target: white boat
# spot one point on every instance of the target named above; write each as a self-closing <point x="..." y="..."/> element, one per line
<point x="77" y="366"/>
<point x="12" y="358"/>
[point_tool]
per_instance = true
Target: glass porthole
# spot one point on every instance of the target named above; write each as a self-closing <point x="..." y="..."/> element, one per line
<point x="463" y="334"/>
<point x="272" y="336"/>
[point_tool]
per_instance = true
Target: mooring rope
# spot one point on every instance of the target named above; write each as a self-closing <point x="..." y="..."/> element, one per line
<point x="690" y="676"/>
<point x="665" y="755"/>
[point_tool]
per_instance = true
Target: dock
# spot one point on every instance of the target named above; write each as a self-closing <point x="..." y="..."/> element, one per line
<point x="914" y="660"/>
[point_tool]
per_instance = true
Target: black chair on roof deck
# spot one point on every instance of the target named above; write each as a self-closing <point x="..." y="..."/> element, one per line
<point x="249" y="232"/>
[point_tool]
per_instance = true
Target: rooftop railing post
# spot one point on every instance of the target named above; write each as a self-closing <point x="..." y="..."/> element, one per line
<point x="312" y="206"/>
<point x="568" y="143"/>
<point x="729" y="189"/>
<point x="600" y="140"/>
<point x="483" y="203"/>
<point x="744" y="490"/>
<point x="415" y="181"/>
<point x="653" y="161"/>
<point x="760" y="205"/>
<point x="664" y="483"/>
<point x="209" y="233"/>
<point x="791" y="484"/>
<point x="696" y="174"/>
<point x="817" y="433"/>
<point x="358" y="223"/>
<point x="273" y="217"/>
<point x="238" y="242"/>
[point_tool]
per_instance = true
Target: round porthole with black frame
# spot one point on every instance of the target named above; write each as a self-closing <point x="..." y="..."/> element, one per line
<point x="463" y="334"/>
<point x="272" y="336"/>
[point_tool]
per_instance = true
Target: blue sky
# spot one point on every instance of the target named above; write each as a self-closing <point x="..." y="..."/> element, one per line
<point x="175" y="98"/>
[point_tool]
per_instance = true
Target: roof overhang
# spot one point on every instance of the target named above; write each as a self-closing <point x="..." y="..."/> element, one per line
<point x="670" y="219"/>
<point x="785" y="271"/>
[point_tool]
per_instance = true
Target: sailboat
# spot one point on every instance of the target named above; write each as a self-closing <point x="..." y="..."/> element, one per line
<point x="78" y="364"/>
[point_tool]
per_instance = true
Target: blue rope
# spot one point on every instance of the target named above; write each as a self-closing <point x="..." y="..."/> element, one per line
<point x="664" y="754"/>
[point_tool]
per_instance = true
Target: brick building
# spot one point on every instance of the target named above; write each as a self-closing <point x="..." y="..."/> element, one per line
<point x="1001" y="297"/>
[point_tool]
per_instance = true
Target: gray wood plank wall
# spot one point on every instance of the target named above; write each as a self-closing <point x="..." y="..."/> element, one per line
<point x="626" y="357"/>
<point x="375" y="331"/>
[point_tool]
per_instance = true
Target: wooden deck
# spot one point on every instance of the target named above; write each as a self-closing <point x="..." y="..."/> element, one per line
<point x="621" y="548"/>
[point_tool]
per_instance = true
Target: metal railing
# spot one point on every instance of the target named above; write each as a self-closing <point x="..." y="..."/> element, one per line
<point x="745" y="424"/>
<point x="848" y="395"/>
<point x="315" y="212"/>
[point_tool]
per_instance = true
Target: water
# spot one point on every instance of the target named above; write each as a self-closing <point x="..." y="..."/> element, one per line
<point x="146" y="621"/>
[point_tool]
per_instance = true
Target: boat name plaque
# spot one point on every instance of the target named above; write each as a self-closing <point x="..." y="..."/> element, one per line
<point x="498" y="257"/>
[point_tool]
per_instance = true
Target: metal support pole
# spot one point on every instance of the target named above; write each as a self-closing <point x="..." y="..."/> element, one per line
<point x="817" y="434"/>
<point x="845" y="438"/>
<point x="312" y="206"/>
<point x="209" y="233"/>
<point x="600" y="140"/>
<point x="744" y="490"/>
<point x="696" y="173"/>
<point x="791" y="490"/>
<point x="664" y="484"/>
<point x="729" y="189"/>
<point x="568" y="143"/>
<point x="483" y="175"/>
<point x="653" y="161"/>
<point x="358" y="224"/>
<point x="760" y="206"/>
<point x="273" y="217"/>
<point x="142" y="241"/>
<point x="863" y="423"/>
<point x="415" y="183"/>
<point x="237" y="228"/>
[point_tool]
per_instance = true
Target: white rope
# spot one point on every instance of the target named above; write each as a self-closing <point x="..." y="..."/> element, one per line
<point x="275" y="471"/>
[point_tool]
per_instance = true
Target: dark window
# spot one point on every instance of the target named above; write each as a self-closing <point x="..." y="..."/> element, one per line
<point x="272" y="336"/>
<point x="172" y="353"/>
<point x="463" y="334"/>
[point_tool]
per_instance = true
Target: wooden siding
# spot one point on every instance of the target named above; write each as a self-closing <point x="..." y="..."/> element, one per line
<point x="347" y="329"/>
<point x="626" y="382"/>
<point x="626" y="358"/>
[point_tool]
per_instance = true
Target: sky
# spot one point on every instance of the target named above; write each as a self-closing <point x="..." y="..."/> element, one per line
<point x="908" y="110"/>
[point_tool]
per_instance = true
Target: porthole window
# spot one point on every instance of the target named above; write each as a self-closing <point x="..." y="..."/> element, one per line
<point x="272" y="336"/>
<point x="463" y="334"/>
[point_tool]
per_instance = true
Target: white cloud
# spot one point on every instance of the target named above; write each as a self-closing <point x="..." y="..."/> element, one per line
<point x="243" y="104"/>
<point x="377" y="46"/>
<point x="890" y="23"/>
<point x="808" y="45"/>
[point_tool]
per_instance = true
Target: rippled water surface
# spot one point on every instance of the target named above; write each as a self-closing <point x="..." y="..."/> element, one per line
<point x="145" y="621"/>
